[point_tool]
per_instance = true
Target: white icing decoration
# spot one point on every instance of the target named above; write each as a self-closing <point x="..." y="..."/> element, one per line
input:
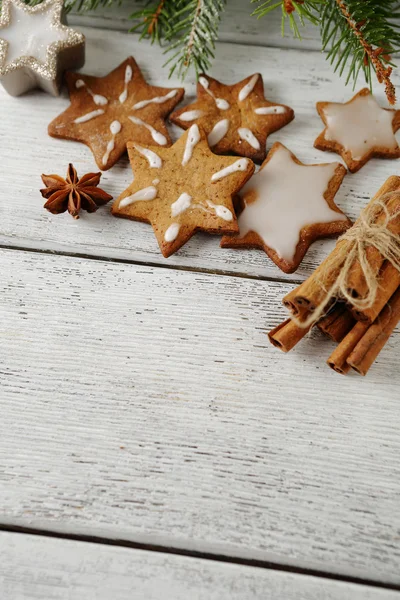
<point x="148" y="193"/>
<point x="155" y="181"/>
<point x="29" y="34"/>
<point x="248" y="88"/>
<point x="191" y="115"/>
<point x="97" y="98"/>
<point x="192" y="140"/>
<point x="249" y="137"/>
<point x="110" y="148"/>
<point x="205" y="84"/>
<point x="270" y="110"/>
<point x="172" y="232"/>
<point x="155" y="161"/>
<point x="288" y="197"/>
<point x="219" y="130"/>
<point x="239" y="165"/>
<point x="180" y="205"/>
<point x="221" y="211"/>
<point x="156" y="100"/>
<point x="128" y="78"/>
<point x="185" y="201"/>
<point x="158" y="137"/>
<point x="220" y="102"/>
<point x="89" y="116"/>
<point x="115" y="129"/>
<point x="360" y="125"/>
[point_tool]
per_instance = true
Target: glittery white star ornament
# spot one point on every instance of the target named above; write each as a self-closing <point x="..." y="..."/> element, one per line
<point x="36" y="47"/>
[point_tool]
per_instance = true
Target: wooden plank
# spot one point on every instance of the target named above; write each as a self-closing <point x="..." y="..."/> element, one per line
<point x="53" y="569"/>
<point x="298" y="79"/>
<point x="146" y="404"/>
<point x="237" y="25"/>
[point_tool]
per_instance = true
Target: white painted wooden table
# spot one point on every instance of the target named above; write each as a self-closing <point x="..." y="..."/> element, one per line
<point x="152" y="443"/>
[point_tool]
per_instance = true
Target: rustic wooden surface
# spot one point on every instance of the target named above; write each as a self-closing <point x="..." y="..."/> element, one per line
<point x="142" y="402"/>
<point x="36" y="568"/>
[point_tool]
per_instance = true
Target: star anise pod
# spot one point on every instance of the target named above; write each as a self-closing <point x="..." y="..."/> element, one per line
<point x="72" y="193"/>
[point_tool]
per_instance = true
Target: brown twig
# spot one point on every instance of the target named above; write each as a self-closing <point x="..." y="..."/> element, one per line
<point x="154" y="17"/>
<point x="370" y="54"/>
<point x="289" y="6"/>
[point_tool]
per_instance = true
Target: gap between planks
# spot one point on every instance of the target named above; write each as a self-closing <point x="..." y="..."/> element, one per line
<point x="137" y="262"/>
<point x="208" y="556"/>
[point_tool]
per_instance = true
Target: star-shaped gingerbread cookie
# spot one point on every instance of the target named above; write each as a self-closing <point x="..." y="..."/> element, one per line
<point x="237" y="118"/>
<point x="35" y="46"/>
<point x="183" y="189"/>
<point x="288" y="205"/>
<point x="359" y="130"/>
<point x="107" y="112"/>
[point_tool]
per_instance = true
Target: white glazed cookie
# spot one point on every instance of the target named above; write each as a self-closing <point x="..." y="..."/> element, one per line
<point x="183" y="189"/>
<point x="359" y="130"/>
<point x="286" y="206"/>
<point x="237" y="118"/>
<point x="107" y="112"/>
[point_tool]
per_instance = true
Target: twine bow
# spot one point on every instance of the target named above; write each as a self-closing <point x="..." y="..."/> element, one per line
<point x="365" y="232"/>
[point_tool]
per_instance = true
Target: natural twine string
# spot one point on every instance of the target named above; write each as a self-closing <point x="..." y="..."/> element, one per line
<point x="364" y="233"/>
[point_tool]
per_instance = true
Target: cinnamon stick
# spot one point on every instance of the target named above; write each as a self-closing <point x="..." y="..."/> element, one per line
<point x="357" y="284"/>
<point x="389" y="281"/>
<point x="305" y="298"/>
<point x="286" y="335"/>
<point x="338" y="359"/>
<point x="337" y="324"/>
<point x="376" y="336"/>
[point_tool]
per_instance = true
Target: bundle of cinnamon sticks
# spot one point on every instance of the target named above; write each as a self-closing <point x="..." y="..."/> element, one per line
<point x="354" y="295"/>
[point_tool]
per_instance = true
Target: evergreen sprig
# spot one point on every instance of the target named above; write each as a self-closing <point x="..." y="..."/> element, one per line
<point x="360" y="35"/>
<point x="190" y="28"/>
<point x="155" y="20"/>
<point x="300" y="11"/>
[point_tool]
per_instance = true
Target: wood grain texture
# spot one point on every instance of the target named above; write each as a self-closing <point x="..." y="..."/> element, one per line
<point x="237" y="25"/>
<point x="297" y="79"/>
<point x="146" y="404"/>
<point x="34" y="568"/>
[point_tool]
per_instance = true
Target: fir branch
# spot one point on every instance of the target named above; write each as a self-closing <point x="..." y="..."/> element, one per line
<point x="190" y="28"/>
<point x="193" y="35"/>
<point x="362" y="36"/>
<point x="304" y="10"/>
<point x="155" y="19"/>
<point x="153" y="22"/>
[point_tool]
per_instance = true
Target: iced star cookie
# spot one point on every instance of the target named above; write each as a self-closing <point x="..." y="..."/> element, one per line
<point x="183" y="189"/>
<point x="107" y="112"/>
<point x="288" y="205"/>
<point x="237" y="118"/>
<point x="358" y="130"/>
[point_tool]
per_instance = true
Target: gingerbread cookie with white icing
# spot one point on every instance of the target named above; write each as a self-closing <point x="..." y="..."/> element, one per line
<point x="183" y="189"/>
<point x="237" y="118"/>
<point x="107" y="112"/>
<point x="359" y="130"/>
<point x="288" y="205"/>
